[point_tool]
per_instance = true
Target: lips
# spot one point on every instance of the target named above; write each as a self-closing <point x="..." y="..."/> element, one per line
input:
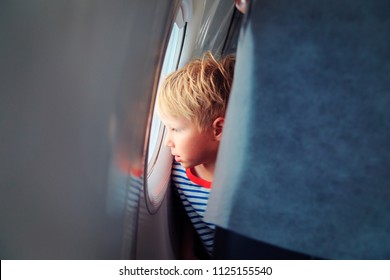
<point x="177" y="158"/>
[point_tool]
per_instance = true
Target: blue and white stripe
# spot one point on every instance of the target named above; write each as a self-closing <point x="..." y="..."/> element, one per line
<point x="194" y="198"/>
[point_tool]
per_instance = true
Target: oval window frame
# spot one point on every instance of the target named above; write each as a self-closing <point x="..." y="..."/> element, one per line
<point x="158" y="157"/>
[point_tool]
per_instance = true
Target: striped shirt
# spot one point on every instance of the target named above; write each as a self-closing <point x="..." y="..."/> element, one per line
<point x="194" y="193"/>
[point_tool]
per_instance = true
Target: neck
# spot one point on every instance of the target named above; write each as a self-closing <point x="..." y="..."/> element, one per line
<point x="205" y="171"/>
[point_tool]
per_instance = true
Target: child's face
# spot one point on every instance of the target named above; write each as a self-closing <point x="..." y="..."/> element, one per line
<point x="190" y="146"/>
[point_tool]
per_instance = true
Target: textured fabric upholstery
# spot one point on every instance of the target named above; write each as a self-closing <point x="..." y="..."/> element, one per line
<point x="305" y="159"/>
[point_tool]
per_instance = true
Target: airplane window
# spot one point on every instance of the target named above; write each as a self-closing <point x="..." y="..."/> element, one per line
<point x="159" y="157"/>
<point x="169" y="65"/>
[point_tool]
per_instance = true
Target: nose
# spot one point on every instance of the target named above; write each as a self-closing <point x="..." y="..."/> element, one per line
<point x="168" y="140"/>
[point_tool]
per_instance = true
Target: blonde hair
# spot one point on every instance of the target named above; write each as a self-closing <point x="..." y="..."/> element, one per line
<point x="199" y="91"/>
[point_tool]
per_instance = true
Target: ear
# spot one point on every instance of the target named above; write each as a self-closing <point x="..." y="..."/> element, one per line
<point x="217" y="128"/>
<point x="242" y="5"/>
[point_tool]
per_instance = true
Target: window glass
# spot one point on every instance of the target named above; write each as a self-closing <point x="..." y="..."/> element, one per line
<point x="169" y="65"/>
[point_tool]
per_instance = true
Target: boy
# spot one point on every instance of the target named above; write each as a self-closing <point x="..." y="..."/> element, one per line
<point x="192" y="105"/>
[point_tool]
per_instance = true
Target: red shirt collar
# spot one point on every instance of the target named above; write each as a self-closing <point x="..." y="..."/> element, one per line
<point x="197" y="180"/>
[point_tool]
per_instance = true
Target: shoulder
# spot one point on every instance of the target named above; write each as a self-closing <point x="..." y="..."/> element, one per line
<point x="178" y="169"/>
<point x="179" y="174"/>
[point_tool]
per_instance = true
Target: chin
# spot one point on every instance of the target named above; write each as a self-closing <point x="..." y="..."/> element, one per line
<point x="186" y="165"/>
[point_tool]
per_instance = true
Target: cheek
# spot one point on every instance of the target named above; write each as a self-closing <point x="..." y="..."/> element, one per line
<point x="185" y="142"/>
<point x="202" y="143"/>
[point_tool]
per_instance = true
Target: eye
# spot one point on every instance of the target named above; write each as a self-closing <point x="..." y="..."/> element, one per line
<point x="175" y="129"/>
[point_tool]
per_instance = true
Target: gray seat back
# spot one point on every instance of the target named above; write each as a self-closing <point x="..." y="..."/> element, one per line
<point x="305" y="159"/>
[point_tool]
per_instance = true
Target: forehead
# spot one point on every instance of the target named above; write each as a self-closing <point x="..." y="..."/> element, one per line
<point x="170" y="120"/>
